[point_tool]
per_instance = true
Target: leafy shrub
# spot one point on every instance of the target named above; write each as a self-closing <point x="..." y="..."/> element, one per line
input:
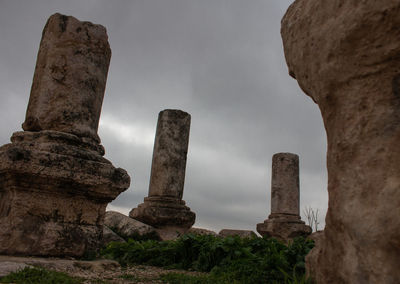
<point x="230" y="259"/>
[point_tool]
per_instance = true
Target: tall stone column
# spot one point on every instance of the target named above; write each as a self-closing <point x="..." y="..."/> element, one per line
<point x="345" y="56"/>
<point x="284" y="222"/>
<point x="70" y="75"/>
<point x="164" y="206"/>
<point x="54" y="182"/>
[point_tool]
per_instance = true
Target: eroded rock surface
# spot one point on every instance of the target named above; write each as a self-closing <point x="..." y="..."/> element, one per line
<point x="54" y="182"/>
<point x="164" y="207"/>
<point x="235" y="232"/>
<point x="127" y="227"/>
<point x="284" y="222"/>
<point x="345" y="56"/>
<point x="201" y="231"/>
<point x="110" y="236"/>
<point x="70" y="75"/>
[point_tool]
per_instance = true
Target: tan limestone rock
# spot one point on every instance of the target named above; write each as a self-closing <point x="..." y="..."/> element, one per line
<point x="110" y="236"/>
<point x="239" y="233"/>
<point x="345" y="56"/>
<point x="201" y="231"/>
<point x="171" y="233"/>
<point x="70" y="75"/>
<point x="127" y="227"/>
<point x="70" y="266"/>
<point x="54" y="182"/>
<point x="284" y="222"/>
<point x="164" y="206"/>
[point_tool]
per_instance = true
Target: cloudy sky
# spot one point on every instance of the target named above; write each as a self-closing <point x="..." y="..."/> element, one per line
<point x="219" y="60"/>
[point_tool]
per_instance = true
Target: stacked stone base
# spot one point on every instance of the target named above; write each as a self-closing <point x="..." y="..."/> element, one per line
<point x="164" y="212"/>
<point x="54" y="189"/>
<point x="283" y="227"/>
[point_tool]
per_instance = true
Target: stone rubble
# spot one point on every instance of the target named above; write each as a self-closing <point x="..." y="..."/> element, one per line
<point x="235" y="232"/>
<point x="127" y="227"/>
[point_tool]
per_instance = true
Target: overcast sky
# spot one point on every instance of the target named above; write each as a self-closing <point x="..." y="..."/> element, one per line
<point x="221" y="61"/>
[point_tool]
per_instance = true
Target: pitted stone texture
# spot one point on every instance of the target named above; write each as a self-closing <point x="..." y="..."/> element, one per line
<point x="164" y="212"/>
<point x="345" y="56"/>
<point x="110" y="236"/>
<point x="54" y="182"/>
<point x="283" y="229"/>
<point x="70" y="78"/>
<point x="169" y="154"/>
<point x="127" y="227"/>
<point x="285" y="184"/>
<point x="54" y="194"/>
<point x="239" y="233"/>
<point x="164" y="206"/>
<point x="201" y="231"/>
<point x="284" y="222"/>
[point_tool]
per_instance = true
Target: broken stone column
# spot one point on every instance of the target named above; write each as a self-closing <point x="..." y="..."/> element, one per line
<point x="284" y="222"/>
<point x="345" y="56"/>
<point x="164" y="207"/>
<point x="54" y="182"/>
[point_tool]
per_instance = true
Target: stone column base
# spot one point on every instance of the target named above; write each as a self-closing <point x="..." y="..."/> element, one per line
<point x="54" y="188"/>
<point x="164" y="212"/>
<point x="283" y="227"/>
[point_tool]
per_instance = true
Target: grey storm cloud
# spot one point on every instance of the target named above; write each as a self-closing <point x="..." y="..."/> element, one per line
<point x="220" y="60"/>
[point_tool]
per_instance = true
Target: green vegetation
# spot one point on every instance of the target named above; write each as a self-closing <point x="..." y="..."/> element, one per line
<point x="39" y="276"/>
<point x="230" y="259"/>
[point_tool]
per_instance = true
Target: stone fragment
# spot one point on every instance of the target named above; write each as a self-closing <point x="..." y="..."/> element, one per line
<point x="240" y="233"/>
<point x="55" y="183"/>
<point x="110" y="236"/>
<point x="284" y="222"/>
<point x="345" y="56"/>
<point x="201" y="231"/>
<point x="127" y="227"/>
<point x="170" y="233"/>
<point x="164" y="207"/>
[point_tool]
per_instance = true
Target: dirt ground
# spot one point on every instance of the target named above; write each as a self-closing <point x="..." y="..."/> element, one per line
<point x="97" y="271"/>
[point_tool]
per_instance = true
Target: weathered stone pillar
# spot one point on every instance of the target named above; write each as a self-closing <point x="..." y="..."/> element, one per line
<point x="54" y="182"/>
<point x="345" y="56"/>
<point x="70" y="78"/>
<point x="284" y="222"/>
<point x="164" y="206"/>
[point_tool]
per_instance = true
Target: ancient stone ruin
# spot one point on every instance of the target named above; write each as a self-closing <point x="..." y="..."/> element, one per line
<point x="345" y="56"/>
<point x="164" y="207"/>
<point x="54" y="182"/>
<point x="284" y="222"/>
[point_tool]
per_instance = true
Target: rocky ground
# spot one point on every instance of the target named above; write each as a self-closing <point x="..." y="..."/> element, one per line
<point x="97" y="271"/>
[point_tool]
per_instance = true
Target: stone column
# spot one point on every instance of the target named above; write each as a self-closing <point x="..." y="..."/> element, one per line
<point x="284" y="222"/>
<point x="164" y="206"/>
<point x="345" y="56"/>
<point x="70" y="75"/>
<point x="54" y="182"/>
<point x="285" y="192"/>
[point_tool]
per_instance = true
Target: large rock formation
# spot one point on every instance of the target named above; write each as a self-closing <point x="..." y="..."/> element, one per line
<point x="164" y="207"/>
<point x="345" y="56"/>
<point x="54" y="182"/>
<point x="284" y="222"/>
